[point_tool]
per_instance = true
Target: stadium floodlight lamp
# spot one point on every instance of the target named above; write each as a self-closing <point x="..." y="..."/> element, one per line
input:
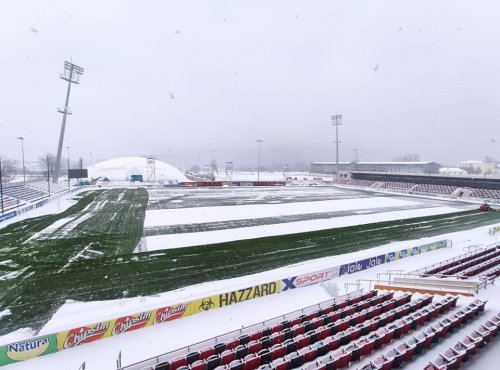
<point x="72" y="72"/>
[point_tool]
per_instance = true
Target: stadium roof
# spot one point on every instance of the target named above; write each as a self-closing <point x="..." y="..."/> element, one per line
<point x="381" y="163"/>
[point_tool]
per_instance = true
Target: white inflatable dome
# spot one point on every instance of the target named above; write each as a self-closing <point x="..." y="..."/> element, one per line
<point x="122" y="169"/>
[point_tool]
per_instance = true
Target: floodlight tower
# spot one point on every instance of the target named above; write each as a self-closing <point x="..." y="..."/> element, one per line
<point x="72" y="74"/>
<point x="337" y="121"/>
<point x="259" y="141"/>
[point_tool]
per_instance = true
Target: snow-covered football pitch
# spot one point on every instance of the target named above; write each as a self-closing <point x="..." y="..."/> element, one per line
<point x="108" y="244"/>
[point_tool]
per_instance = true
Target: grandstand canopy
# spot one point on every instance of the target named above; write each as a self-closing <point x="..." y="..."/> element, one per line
<point x="122" y="169"/>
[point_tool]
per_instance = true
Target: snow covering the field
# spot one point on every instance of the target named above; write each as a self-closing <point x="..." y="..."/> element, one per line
<point x="152" y="341"/>
<point x="158" y="217"/>
<point x="207" y="214"/>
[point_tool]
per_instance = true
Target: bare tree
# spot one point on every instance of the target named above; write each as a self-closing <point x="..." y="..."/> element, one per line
<point x="9" y="169"/>
<point x="407" y="158"/>
<point x="42" y="164"/>
<point x="488" y="159"/>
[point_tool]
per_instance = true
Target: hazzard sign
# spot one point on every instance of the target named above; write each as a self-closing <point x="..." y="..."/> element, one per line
<point x="246" y="294"/>
<point x="26" y="349"/>
<point x="235" y="296"/>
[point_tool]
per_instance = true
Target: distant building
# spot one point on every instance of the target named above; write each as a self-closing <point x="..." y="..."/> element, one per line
<point x="387" y="167"/>
<point x="477" y="167"/>
<point x="452" y="171"/>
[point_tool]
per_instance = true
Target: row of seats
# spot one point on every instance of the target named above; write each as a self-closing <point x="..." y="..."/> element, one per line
<point x="493" y="273"/>
<point x="365" y="183"/>
<point x="456" y="262"/>
<point x="463" y="268"/>
<point x="481" y="267"/>
<point x="396" y="356"/>
<point x="464" y="349"/>
<point x="421" y="188"/>
<point x="331" y="319"/>
<point x="397" y="185"/>
<point x="24" y="193"/>
<point x="434" y="189"/>
<point x="9" y="202"/>
<point x="485" y="193"/>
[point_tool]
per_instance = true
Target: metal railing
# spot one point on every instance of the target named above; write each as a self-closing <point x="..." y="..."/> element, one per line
<point x="152" y="361"/>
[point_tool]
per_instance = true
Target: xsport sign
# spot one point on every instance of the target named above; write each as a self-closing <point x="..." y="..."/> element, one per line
<point x="309" y="279"/>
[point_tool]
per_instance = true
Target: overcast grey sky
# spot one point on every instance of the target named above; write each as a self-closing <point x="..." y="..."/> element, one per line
<point x="175" y="79"/>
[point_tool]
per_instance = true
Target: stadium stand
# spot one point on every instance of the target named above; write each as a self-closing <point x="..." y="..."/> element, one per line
<point x="466" y="266"/>
<point x="441" y="186"/>
<point x="434" y="189"/>
<point x="9" y="202"/>
<point x="485" y="193"/>
<point x="17" y="194"/>
<point x="23" y="193"/>
<point x="335" y="336"/>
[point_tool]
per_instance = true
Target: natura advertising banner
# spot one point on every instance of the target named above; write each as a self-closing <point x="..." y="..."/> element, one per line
<point x="27" y="349"/>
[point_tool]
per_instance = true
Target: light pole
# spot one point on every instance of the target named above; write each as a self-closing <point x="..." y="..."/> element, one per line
<point x="24" y="169"/>
<point x="68" y="167"/>
<point x="260" y="141"/>
<point x="337" y="121"/>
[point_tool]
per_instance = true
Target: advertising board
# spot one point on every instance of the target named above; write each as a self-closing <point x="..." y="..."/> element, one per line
<point x="27" y="349"/>
<point x="309" y="279"/>
<point x="364" y="264"/>
<point x="6" y="216"/>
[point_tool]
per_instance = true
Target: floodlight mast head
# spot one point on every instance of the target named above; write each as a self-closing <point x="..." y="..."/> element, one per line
<point x="71" y="72"/>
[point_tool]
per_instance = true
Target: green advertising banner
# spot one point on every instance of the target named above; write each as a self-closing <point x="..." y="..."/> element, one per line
<point x="26" y="349"/>
<point x="433" y="246"/>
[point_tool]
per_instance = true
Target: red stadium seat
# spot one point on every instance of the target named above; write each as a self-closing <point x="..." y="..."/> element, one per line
<point x="309" y="353"/>
<point x="176" y="363"/>
<point x="254" y="346"/>
<point x="251" y="362"/>
<point x="227" y="356"/>
<point x="206" y="353"/>
<point x="277" y="351"/>
<point x="198" y="365"/>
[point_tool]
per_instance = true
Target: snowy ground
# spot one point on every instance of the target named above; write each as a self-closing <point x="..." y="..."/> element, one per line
<point x="175" y="334"/>
<point x="318" y="208"/>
